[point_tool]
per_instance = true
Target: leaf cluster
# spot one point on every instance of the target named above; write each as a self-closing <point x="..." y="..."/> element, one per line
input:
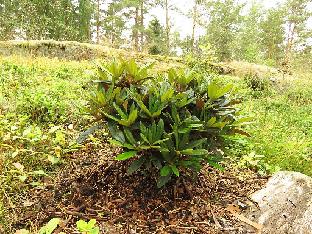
<point x="168" y="122"/>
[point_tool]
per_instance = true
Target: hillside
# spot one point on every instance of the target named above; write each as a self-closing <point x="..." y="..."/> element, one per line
<point x="72" y="50"/>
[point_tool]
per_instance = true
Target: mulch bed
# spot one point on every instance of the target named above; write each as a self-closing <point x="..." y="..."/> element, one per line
<point x="93" y="185"/>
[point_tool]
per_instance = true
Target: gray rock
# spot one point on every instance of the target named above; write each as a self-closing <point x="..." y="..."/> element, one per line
<point x="285" y="204"/>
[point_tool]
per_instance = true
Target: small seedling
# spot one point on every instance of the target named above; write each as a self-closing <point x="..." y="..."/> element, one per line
<point x="88" y="227"/>
<point x="50" y="226"/>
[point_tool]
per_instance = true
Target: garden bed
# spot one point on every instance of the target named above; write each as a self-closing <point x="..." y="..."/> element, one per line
<point x="92" y="185"/>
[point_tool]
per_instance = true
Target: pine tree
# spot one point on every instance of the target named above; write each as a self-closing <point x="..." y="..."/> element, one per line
<point x="223" y="26"/>
<point x="155" y="37"/>
<point x="297" y="15"/>
<point x="165" y="4"/>
<point x="114" y="22"/>
<point x="196" y="20"/>
<point x="272" y="35"/>
<point x="249" y="39"/>
<point x="85" y="12"/>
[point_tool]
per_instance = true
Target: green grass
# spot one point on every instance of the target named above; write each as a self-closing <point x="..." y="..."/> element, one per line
<point x="39" y="99"/>
<point x="282" y="128"/>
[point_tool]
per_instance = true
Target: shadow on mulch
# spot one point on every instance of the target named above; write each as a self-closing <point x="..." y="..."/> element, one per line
<point x="93" y="185"/>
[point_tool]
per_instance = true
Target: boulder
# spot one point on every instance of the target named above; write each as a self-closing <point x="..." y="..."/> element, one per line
<point x="284" y="204"/>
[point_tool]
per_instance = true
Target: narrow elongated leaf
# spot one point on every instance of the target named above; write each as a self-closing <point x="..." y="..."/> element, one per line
<point x="84" y="135"/>
<point x="216" y="165"/>
<point x="165" y="170"/>
<point x="225" y="90"/>
<point x="241" y="132"/>
<point x="130" y="136"/>
<point x="162" y="180"/>
<point x="244" y="120"/>
<point x="135" y="165"/>
<point x="115" y="142"/>
<point x="115" y="132"/>
<point x="126" y="155"/>
<point x="175" y="170"/>
<point x="211" y="121"/>
<point x="143" y="107"/>
<point x="196" y="143"/>
<point x="132" y="116"/>
<point x="143" y="137"/>
<point x="194" y="152"/>
<point x="160" y="141"/>
<point x="118" y="143"/>
<point x="122" y="114"/>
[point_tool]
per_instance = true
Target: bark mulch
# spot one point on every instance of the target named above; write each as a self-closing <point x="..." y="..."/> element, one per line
<point x="91" y="185"/>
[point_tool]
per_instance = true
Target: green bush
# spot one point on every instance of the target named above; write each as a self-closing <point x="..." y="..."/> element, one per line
<point x="165" y="122"/>
<point x="257" y="83"/>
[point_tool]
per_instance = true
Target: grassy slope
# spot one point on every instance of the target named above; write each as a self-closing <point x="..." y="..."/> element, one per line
<point x="37" y="94"/>
<point x="283" y="130"/>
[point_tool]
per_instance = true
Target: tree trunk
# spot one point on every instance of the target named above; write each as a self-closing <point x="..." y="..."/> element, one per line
<point x="194" y="26"/>
<point x="290" y="42"/>
<point x="135" y="30"/>
<point x="98" y="22"/>
<point x="112" y="33"/>
<point x="142" y="25"/>
<point x="167" y="26"/>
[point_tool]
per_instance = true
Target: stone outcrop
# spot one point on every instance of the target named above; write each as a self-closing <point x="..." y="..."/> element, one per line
<point x="284" y="205"/>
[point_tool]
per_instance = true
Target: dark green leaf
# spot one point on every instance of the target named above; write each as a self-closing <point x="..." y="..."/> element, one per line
<point x="135" y="165"/>
<point x="84" y="135"/>
<point x="115" y="132"/>
<point x="162" y="180"/>
<point x="130" y="136"/>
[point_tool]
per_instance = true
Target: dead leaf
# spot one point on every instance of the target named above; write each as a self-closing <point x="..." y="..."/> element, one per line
<point x="200" y="104"/>
<point x="27" y="203"/>
<point x="241" y="132"/>
<point x="234" y="210"/>
<point x="22" y="231"/>
<point x="18" y="166"/>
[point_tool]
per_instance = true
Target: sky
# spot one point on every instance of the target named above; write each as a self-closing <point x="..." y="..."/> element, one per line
<point x="182" y="23"/>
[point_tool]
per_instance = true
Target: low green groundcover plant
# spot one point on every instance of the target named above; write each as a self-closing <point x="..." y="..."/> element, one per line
<point x="168" y="122"/>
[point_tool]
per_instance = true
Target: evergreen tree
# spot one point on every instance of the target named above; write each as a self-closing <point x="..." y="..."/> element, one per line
<point x="249" y="39"/>
<point x="114" y="22"/>
<point x="223" y="26"/>
<point x="38" y="19"/>
<point x="272" y="35"/>
<point x="85" y="12"/>
<point x="168" y="8"/>
<point x="297" y="13"/>
<point x="196" y="15"/>
<point x="8" y="19"/>
<point x="155" y="37"/>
